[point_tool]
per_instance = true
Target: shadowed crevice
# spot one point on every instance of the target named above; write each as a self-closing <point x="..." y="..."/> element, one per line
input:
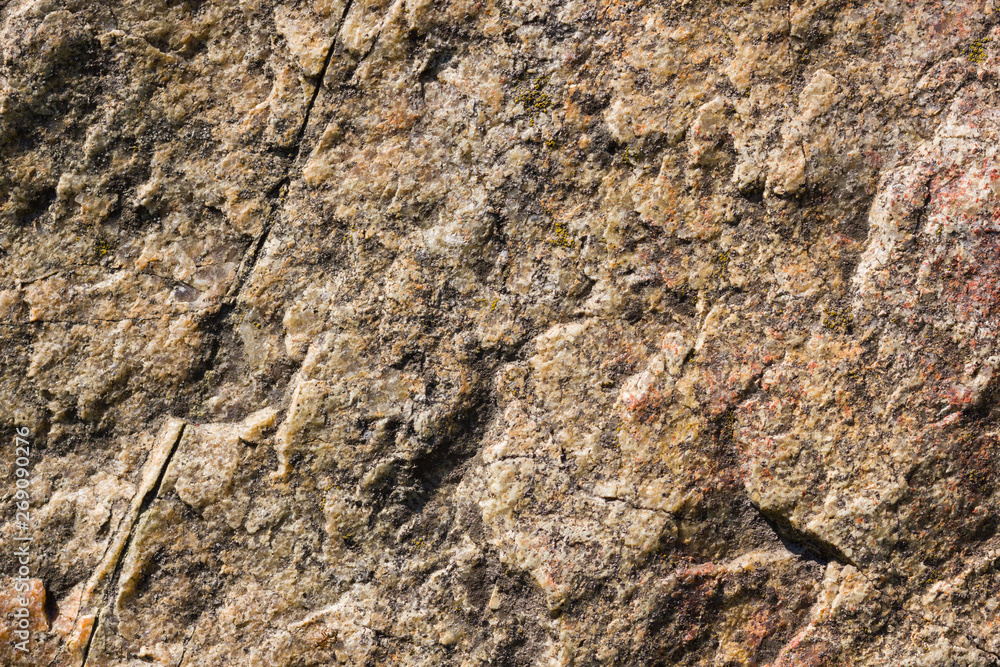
<point x="801" y="543"/>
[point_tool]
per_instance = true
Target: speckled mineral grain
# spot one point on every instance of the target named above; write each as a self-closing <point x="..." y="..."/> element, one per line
<point x="500" y="333"/>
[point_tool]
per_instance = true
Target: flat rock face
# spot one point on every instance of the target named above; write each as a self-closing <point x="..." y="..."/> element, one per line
<point x="371" y="332"/>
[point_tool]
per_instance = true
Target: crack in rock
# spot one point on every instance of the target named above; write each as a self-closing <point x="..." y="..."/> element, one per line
<point x="149" y="487"/>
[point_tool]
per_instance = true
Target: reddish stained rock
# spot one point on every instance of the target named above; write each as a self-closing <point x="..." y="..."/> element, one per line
<point x="35" y="623"/>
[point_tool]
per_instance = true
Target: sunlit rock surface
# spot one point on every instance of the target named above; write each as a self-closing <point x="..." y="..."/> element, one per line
<point x="371" y="332"/>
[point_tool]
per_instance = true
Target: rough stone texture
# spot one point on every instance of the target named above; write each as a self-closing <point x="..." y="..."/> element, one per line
<point x="399" y="332"/>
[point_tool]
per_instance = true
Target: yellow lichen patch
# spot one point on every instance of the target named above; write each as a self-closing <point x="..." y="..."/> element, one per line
<point x="562" y="236"/>
<point x="533" y="97"/>
<point x="837" y="319"/>
<point x="102" y="247"/>
<point x="977" y="51"/>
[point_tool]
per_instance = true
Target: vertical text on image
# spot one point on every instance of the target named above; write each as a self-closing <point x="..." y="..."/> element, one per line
<point x="22" y="539"/>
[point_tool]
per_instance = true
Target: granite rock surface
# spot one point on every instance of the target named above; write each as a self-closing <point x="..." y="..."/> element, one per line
<point x="537" y="333"/>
